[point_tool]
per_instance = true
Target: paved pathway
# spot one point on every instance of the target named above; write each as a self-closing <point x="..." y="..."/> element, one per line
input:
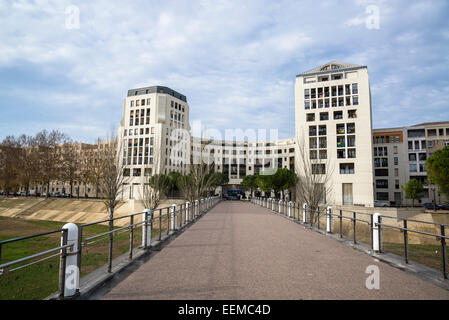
<point x="241" y="251"/>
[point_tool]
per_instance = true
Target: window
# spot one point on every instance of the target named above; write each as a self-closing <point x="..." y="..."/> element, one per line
<point x="312" y="143"/>
<point x="430" y="144"/>
<point x="323" y="142"/>
<point x="382" y="196"/>
<point x="382" y="184"/>
<point x="350" y="127"/>
<point x="355" y="100"/>
<point x="351" y="153"/>
<point x="346" y="168"/>
<point x="341" y="128"/>
<point x="322" y="130"/>
<point x="341" y="154"/>
<point x="312" y="131"/>
<point x="311" y="117"/>
<point x="307" y="105"/>
<point x="136" y="172"/>
<point x="126" y="172"/>
<point x="324" y="116"/>
<point x="306" y="93"/>
<point x="412" y="157"/>
<point x="381" y="172"/>
<point x="351" y="141"/>
<point x="395" y="149"/>
<point x="410" y="145"/>
<point x="132" y="103"/>
<point x="422" y="167"/>
<point x="318" y="168"/>
<point x="396" y="172"/>
<point x="355" y="89"/>
<point x="396" y="161"/>
<point x="340" y="142"/>
<point x="338" y="115"/>
<point x="431" y="132"/>
<point x="441" y="132"/>
<point x="413" y="168"/>
<point x="352" y="114"/>
<point x="422" y="157"/>
<point x="313" y="154"/>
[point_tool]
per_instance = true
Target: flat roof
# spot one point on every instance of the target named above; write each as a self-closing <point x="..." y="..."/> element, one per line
<point x="156" y="89"/>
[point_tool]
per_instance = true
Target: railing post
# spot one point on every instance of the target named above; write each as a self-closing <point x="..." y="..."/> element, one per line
<point x="329" y="219"/>
<point x="405" y="241"/>
<point x="273" y="204"/>
<point x="62" y="265"/>
<point x="377" y="218"/>
<point x="79" y="253"/>
<point x="111" y="241"/>
<point x="131" y="237"/>
<point x="443" y="253"/>
<point x="304" y="213"/>
<point x="174" y="218"/>
<point x="197" y="208"/>
<point x="341" y="223"/>
<point x="147" y="215"/>
<point x="354" y="220"/>
<point x="290" y="209"/>
<point x="187" y="212"/>
<point x="280" y="206"/>
<point x="69" y="262"/>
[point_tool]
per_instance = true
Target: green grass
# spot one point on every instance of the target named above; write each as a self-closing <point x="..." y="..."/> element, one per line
<point x="429" y="255"/>
<point x="40" y="280"/>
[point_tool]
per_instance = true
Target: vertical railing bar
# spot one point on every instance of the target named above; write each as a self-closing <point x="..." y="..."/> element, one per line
<point x="160" y="224"/>
<point x="405" y="241"/>
<point x="62" y="265"/>
<point x="341" y="223"/>
<point x="443" y="247"/>
<point x="131" y="237"/>
<point x="354" y="219"/>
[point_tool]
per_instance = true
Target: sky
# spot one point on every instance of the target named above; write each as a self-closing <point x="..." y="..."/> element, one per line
<point x="236" y="61"/>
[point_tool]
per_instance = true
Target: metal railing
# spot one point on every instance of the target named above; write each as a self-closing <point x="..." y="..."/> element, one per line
<point x="168" y="220"/>
<point x="305" y="215"/>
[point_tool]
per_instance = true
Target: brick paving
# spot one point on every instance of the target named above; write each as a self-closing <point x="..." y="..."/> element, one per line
<point x="241" y="251"/>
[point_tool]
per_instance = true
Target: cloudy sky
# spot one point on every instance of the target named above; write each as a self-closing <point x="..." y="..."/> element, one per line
<point x="236" y="61"/>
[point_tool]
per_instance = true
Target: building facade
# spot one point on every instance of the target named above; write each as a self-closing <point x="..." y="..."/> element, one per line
<point x="400" y="155"/>
<point x="334" y="129"/>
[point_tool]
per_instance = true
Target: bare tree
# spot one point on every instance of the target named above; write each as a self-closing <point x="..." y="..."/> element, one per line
<point x="155" y="186"/>
<point x="111" y="168"/>
<point x="10" y="150"/>
<point x="48" y="150"/>
<point x="70" y="164"/>
<point x="28" y="162"/>
<point x="312" y="185"/>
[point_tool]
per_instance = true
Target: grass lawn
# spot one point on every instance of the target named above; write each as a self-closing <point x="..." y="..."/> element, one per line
<point x="429" y="255"/>
<point x="40" y="280"/>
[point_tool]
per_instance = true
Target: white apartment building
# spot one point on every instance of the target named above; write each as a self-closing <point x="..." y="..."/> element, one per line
<point x="334" y="129"/>
<point x="400" y="155"/>
<point x="150" y="117"/>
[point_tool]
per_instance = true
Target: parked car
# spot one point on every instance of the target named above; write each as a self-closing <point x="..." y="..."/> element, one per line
<point x="443" y="206"/>
<point x="23" y="194"/>
<point x="378" y="203"/>
<point x="429" y="206"/>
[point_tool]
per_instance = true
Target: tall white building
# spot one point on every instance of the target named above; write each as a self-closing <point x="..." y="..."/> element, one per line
<point x="150" y="117"/>
<point x="334" y="129"/>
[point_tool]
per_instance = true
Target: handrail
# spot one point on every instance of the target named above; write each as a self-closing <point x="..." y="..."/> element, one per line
<point x="439" y="236"/>
<point x="182" y="215"/>
<point x="34" y="256"/>
<point x="30" y="236"/>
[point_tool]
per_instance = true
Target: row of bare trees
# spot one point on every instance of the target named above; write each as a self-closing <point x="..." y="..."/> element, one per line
<point x="45" y="158"/>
